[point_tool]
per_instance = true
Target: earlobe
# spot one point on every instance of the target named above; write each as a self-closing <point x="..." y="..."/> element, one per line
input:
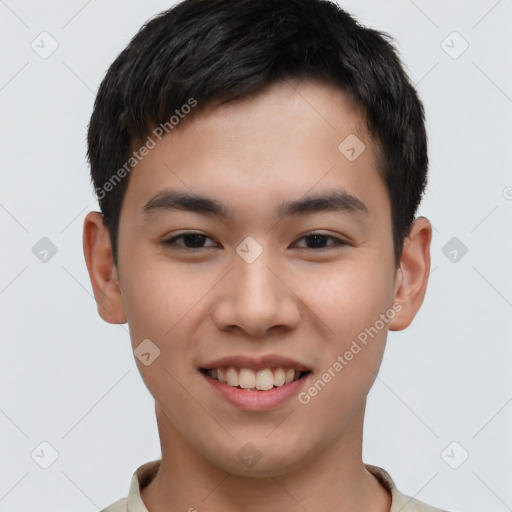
<point x="102" y="271"/>
<point x="412" y="274"/>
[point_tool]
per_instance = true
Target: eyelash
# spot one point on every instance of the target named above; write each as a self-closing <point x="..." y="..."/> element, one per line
<point x="337" y="241"/>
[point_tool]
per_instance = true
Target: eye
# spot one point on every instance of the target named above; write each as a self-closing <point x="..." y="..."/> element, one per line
<point x="319" y="240"/>
<point x="191" y="240"/>
<point x="194" y="240"/>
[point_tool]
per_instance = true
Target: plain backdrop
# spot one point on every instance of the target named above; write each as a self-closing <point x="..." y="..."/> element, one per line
<point x="68" y="379"/>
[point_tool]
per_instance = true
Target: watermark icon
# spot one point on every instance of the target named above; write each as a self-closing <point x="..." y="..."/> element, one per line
<point x="249" y="455"/>
<point x="454" y="45"/>
<point x="45" y="45"/>
<point x="146" y="352"/>
<point x="44" y="250"/>
<point x="507" y="193"/>
<point x="137" y="156"/>
<point x="337" y="366"/>
<point x="351" y="147"/>
<point x="44" y="455"/>
<point x="249" y="249"/>
<point x="454" y="249"/>
<point x="455" y="455"/>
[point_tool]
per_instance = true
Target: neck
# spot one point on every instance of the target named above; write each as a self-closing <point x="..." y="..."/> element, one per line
<point x="334" y="480"/>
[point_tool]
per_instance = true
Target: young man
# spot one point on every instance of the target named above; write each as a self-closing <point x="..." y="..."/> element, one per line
<point x="258" y="166"/>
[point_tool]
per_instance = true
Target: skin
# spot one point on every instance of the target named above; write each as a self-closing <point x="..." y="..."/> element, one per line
<point x="295" y="300"/>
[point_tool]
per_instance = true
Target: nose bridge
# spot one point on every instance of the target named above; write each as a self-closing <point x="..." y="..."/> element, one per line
<point x="255" y="284"/>
<point x="254" y="298"/>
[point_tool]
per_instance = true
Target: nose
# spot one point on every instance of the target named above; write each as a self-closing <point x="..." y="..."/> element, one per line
<point x="255" y="298"/>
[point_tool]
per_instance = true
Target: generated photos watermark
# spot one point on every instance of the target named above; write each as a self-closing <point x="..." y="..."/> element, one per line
<point x="342" y="361"/>
<point x="159" y="133"/>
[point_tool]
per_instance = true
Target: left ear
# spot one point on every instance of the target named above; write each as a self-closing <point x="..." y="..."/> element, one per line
<point x="412" y="274"/>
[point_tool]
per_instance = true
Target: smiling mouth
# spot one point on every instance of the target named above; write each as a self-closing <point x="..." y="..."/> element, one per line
<point x="250" y="380"/>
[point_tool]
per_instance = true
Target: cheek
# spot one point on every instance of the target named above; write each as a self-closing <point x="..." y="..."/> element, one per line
<point x="162" y="303"/>
<point x="159" y="295"/>
<point x="346" y="297"/>
<point x="349" y="301"/>
<point x="340" y="386"/>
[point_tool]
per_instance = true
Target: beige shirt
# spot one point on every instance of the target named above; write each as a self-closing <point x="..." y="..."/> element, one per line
<point x="145" y="473"/>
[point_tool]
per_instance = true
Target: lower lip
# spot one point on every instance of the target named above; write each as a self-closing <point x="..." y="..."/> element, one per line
<point x="257" y="400"/>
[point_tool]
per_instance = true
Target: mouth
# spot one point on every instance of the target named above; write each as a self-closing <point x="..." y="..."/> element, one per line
<point x="262" y="380"/>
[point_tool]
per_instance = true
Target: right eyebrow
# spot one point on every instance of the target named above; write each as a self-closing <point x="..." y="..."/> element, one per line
<point x="337" y="200"/>
<point x="174" y="200"/>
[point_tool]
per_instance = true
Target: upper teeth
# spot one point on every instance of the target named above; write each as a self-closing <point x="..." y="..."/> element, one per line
<point x="249" y="379"/>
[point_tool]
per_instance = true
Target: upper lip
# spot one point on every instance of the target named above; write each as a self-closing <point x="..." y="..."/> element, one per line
<point x="256" y="363"/>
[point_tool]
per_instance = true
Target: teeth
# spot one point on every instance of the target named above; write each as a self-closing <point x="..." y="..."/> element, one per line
<point x="232" y="377"/>
<point x="261" y="380"/>
<point x="279" y="377"/>
<point x="264" y="379"/>
<point x="247" y="379"/>
<point x="221" y="376"/>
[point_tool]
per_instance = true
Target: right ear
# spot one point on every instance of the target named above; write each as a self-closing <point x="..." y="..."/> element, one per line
<point x="102" y="271"/>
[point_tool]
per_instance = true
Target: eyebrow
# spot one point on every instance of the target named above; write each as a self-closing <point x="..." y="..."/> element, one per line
<point x="337" y="200"/>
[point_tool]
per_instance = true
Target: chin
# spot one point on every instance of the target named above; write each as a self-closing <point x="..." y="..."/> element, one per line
<point x="258" y="459"/>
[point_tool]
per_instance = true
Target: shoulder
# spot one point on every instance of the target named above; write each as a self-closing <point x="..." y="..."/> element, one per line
<point x="408" y="504"/>
<point x="140" y="478"/>
<point x="118" y="506"/>
<point x="399" y="501"/>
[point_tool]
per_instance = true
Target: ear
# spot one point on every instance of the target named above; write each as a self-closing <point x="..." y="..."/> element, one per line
<point x="102" y="271"/>
<point x="412" y="274"/>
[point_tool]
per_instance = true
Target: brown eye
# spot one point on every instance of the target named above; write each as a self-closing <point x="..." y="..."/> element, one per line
<point x="190" y="241"/>
<point x="319" y="241"/>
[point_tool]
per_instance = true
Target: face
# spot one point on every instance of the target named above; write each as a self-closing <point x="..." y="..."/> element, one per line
<point x="253" y="249"/>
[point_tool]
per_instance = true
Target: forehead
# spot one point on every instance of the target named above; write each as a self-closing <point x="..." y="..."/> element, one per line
<point x="290" y="138"/>
<point x="293" y="109"/>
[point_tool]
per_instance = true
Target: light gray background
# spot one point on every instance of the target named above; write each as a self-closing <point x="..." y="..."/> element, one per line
<point x="70" y="379"/>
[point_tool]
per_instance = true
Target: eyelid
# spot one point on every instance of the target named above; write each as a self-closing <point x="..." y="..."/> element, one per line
<point x="171" y="241"/>
<point x="337" y="241"/>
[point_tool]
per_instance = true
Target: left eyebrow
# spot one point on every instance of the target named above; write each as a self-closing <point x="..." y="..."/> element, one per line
<point x="337" y="200"/>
